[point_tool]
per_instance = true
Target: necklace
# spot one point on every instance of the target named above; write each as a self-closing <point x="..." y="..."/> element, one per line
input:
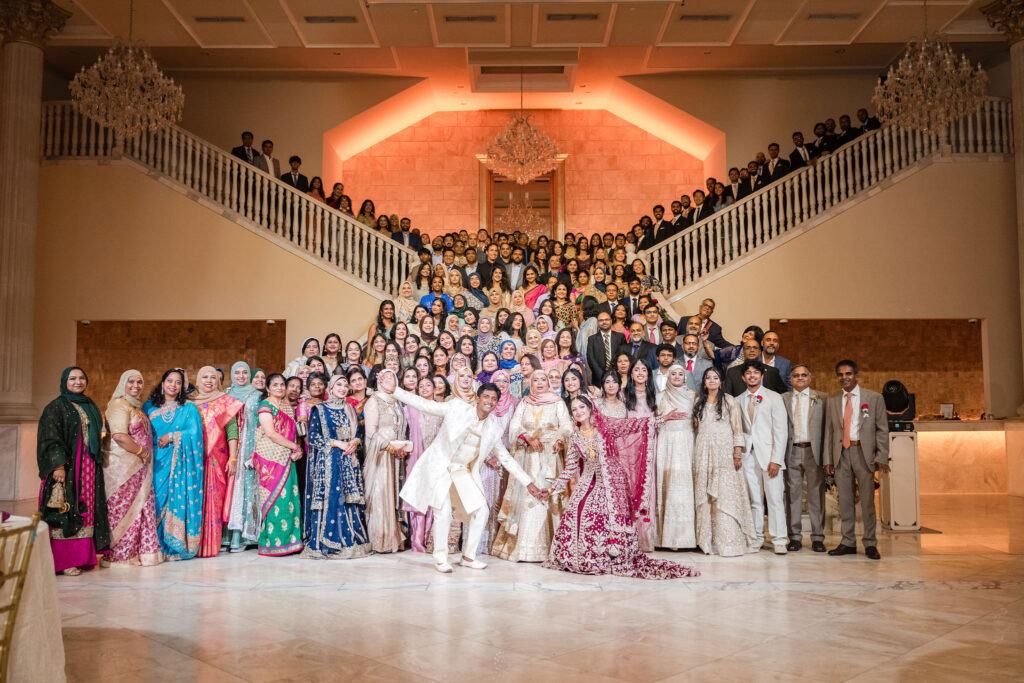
<point x="588" y="441"/>
<point x="167" y="415"/>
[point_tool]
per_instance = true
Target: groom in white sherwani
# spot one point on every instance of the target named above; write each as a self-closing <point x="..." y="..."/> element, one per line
<point x="766" y="432"/>
<point x="447" y="476"/>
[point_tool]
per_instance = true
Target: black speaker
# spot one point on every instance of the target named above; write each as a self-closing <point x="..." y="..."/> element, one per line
<point x="900" y="407"/>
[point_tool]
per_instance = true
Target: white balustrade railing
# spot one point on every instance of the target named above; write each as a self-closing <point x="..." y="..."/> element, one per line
<point x="307" y="223"/>
<point x="753" y="222"/>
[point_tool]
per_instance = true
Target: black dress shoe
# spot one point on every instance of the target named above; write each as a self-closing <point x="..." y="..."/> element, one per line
<point x="794" y="546"/>
<point x="818" y="546"/>
<point x="872" y="552"/>
<point x="843" y="550"/>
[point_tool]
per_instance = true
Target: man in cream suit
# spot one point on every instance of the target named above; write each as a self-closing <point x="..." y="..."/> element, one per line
<point x="764" y="457"/>
<point x="856" y="443"/>
<point x="806" y="410"/>
<point x="447" y="475"/>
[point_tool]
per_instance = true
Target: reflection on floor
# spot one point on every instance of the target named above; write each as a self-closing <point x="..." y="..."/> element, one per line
<point x="938" y="607"/>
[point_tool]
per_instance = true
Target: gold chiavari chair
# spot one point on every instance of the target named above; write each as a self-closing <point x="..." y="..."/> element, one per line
<point x="15" y="553"/>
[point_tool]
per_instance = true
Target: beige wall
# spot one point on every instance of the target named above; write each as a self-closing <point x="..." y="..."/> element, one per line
<point x="292" y="110"/>
<point x="120" y="246"/>
<point x="915" y="250"/>
<point x="756" y="110"/>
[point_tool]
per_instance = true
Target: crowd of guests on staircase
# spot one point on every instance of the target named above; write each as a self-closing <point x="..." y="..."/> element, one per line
<point x="537" y="405"/>
<point x="649" y="231"/>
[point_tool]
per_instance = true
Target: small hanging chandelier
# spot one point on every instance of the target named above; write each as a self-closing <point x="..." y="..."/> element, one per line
<point x="520" y="215"/>
<point x="930" y="86"/>
<point x="522" y="152"/>
<point x="126" y="91"/>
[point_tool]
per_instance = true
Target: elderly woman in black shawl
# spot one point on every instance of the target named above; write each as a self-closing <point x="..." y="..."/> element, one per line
<point x="70" y="461"/>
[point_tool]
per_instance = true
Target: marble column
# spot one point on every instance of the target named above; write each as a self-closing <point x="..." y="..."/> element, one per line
<point x="1008" y="17"/>
<point x="24" y="26"/>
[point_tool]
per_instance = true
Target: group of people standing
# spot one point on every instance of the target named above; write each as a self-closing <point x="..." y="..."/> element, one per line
<point x="567" y="421"/>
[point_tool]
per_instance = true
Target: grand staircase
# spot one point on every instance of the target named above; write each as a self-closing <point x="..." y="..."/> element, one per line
<point x="810" y="196"/>
<point x="376" y="264"/>
<point x="336" y="242"/>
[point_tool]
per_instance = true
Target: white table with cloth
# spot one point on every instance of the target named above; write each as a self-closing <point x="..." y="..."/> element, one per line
<point x="37" y="652"/>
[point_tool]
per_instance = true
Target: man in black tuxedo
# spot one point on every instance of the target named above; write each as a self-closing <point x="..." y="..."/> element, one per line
<point x="647" y="241"/>
<point x="867" y="122"/>
<point x="753" y="183"/>
<point x="245" y="152"/>
<point x="774" y="167"/>
<point x="612" y="292"/>
<point x="847" y="132"/>
<point x="685" y="217"/>
<point x="802" y="155"/>
<point x="670" y="228"/>
<point x="294" y="178"/>
<point x="602" y="347"/>
<point x="405" y="237"/>
<point x="733" y="189"/>
<point x="491" y="262"/>
<point x="632" y="300"/>
<point x="701" y="209"/>
<point x="637" y="346"/>
<point x="771" y="379"/>
<point x="660" y="225"/>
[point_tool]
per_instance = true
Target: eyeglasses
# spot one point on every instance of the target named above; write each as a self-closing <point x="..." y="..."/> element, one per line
<point x="800" y="374"/>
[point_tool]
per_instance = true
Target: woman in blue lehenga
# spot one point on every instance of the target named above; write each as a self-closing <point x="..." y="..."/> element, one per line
<point x="177" y="467"/>
<point x="335" y="521"/>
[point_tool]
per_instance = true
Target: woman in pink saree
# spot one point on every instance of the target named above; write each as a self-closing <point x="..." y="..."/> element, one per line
<point x="220" y="445"/>
<point x="128" y="477"/>
<point x="597" y="533"/>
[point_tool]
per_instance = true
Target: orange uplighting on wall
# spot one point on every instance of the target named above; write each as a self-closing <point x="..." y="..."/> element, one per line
<point x="628" y="150"/>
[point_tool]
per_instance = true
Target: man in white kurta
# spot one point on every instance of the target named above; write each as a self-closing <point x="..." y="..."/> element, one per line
<point x="447" y="475"/>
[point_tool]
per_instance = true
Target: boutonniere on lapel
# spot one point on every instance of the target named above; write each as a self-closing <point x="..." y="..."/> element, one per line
<point x="758" y="399"/>
<point x="864" y="411"/>
<point x="815" y="400"/>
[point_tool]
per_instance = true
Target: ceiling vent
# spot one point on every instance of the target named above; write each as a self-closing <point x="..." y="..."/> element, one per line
<point x="833" y="16"/>
<point x="471" y="19"/>
<point x="525" y="70"/>
<point x="336" y="19"/>
<point x="573" y="17"/>
<point x="220" y="20"/>
<point x="705" y="17"/>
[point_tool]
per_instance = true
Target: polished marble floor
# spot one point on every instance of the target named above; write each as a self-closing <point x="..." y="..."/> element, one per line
<point x="938" y="607"/>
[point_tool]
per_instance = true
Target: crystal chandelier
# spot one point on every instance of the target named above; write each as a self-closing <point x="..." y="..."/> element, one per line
<point x="522" y="152"/>
<point x="521" y="216"/>
<point x="126" y="91"/>
<point x="929" y="87"/>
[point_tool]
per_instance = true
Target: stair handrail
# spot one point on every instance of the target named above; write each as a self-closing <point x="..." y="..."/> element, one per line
<point x="242" y="189"/>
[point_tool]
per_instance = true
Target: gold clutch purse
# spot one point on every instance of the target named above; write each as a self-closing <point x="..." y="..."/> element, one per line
<point x="58" y="498"/>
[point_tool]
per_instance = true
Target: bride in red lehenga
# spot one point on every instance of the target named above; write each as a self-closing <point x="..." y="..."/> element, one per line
<point x="597" y="533"/>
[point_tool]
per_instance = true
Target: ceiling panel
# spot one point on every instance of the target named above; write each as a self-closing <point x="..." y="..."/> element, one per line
<point x="331" y="23"/>
<point x="225" y="23"/>
<point x="638" y="24"/>
<point x="471" y="25"/>
<point x="402" y="25"/>
<point x="706" y="22"/>
<point x="825" y="22"/>
<point x="900" y="23"/>
<point x="276" y="22"/>
<point x="572" y="24"/>
<point x="154" y="22"/>
<point x="767" y="58"/>
<point x="766" y="21"/>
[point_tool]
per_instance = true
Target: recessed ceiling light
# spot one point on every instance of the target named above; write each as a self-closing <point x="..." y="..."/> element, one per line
<point x="336" y="54"/>
<point x="415" y="11"/>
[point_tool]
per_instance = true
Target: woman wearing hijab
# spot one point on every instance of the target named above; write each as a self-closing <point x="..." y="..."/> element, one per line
<point x="486" y="339"/>
<point x="539" y="429"/>
<point x="423" y="428"/>
<point x="335" y="519"/>
<point x="546" y="327"/>
<point x="489" y="364"/>
<point x="519" y="306"/>
<point x="219" y="413"/>
<point x="177" y="467"/>
<point x="310" y="348"/>
<point x="507" y="355"/>
<point x="72" y="496"/>
<point x="243" y="518"/>
<point x="128" y="477"/>
<point x="277" y="491"/>
<point x="385" y="431"/>
<point x="475" y="295"/>
<point x="675" y="507"/>
<point x="405" y="302"/>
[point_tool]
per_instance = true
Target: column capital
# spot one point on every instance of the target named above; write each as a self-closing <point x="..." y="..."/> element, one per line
<point x="1006" y="16"/>
<point x="30" y="21"/>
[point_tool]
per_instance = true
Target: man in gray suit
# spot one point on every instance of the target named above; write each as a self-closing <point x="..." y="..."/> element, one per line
<point x="857" y="443"/>
<point x="695" y="365"/>
<point x="267" y="162"/>
<point x="806" y="410"/>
